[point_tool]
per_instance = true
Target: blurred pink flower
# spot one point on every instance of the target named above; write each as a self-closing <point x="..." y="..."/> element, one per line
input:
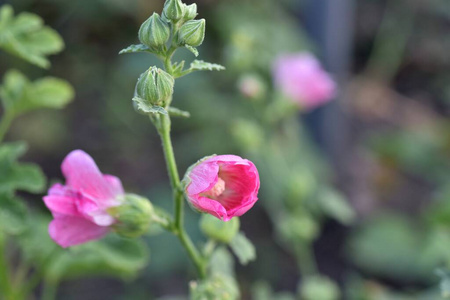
<point x="301" y="78"/>
<point x="80" y="207"/>
<point x="224" y="186"/>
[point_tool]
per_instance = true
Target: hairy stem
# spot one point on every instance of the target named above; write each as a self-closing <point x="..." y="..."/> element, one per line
<point x="194" y="254"/>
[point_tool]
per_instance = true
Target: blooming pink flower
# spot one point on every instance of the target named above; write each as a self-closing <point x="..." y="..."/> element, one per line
<point x="80" y="207"/>
<point x="301" y="78"/>
<point x="224" y="186"/>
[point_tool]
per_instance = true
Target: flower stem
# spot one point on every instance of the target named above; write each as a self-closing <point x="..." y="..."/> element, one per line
<point x="49" y="290"/>
<point x="194" y="254"/>
<point x="5" y="283"/>
<point x="5" y="123"/>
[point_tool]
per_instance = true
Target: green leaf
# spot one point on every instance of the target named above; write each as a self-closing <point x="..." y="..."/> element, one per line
<point x="18" y="176"/>
<point x="12" y="214"/>
<point x="200" y="65"/>
<point x="19" y="95"/>
<point x="243" y="248"/>
<point x="145" y="107"/>
<point x="135" y="49"/>
<point x="112" y="256"/>
<point x="192" y="49"/>
<point x="26" y="37"/>
<point x="222" y="262"/>
<point x="333" y="204"/>
<point x="175" y="112"/>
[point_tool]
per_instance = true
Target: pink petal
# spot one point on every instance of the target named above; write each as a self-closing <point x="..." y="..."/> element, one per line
<point x="69" y="231"/>
<point x="61" y="200"/>
<point x="114" y="183"/>
<point x="203" y="177"/>
<point x="82" y="173"/>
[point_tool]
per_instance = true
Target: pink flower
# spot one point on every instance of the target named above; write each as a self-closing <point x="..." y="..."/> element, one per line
<point x="80" y="207"/>
<point x="301" y="78"/>
<point x="224" y="186"/>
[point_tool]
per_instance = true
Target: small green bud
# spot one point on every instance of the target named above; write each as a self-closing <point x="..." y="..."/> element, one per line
<point x="133" y="216"/>
<point x="154" y="32"/>
<point x="319" y="287"/>
<point x="190" y="12"/>
<point x="217" y="286"/>
<point x="155" y="86"/>
<point x="174" y="10"/>
<point x="192" y="33"/>
<point x="219" y="230"/>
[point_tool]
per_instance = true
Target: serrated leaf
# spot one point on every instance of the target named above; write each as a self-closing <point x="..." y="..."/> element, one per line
<point x="148" y="108"/>
<point x="175" y="112"/>
<point x="135" y="49"/>
<point x="12" y="214"/>
<point x="192" y="49"/>
<point x="200" y="65"/>
<point x="19" y="95"/>
<point x="26" y="37"/>
<point x="243" y="248"/>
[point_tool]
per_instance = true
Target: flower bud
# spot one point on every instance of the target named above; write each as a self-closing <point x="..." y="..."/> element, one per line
<point x="155" y="86"/>
<point x="174" y="10"/>
<point x="252" y="87"/>
<point x="217" y="286"/>
<point x="191" y="33"/>
<point x="319" y="287"/>
<point x="154" y="32"/>
<point x="219" y="230"/>
<point x="190" y="12"/>
<point x="133" y="216"/>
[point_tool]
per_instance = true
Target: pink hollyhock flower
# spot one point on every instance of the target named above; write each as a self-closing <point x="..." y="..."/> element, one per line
<point x="80" y="207"/>
<point x="224" y="186"/>
<point x="301" y="78"/>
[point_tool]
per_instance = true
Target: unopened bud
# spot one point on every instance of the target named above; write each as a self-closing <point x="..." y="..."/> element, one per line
<point x="190" y="12"/>
<point x="133" y="216"/>
<point x="219" y="230"/>
<point x="174" y="10"/>
<point x="155" y="86"/>
<point x="154" y="32"/>
<point x="252" y="87"/>
<point x="217" y="286"/>
<point x="192" y="33"/>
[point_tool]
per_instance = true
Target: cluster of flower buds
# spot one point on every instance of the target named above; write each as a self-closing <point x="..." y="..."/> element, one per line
<point x="177" y="18"/>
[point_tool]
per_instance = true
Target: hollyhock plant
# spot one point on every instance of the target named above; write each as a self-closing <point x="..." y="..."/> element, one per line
<point x="301" y="78"/>
<point x="224" y="186"/>
<point x="80" y="206"/>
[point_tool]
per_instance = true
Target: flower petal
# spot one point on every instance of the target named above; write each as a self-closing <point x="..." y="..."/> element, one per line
<point x="61" y="200"/>
<point x="82" y="173"/>
<point x="69" y="231"/>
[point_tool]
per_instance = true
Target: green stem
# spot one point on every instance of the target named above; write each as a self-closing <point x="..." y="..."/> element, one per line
<point x="5" y="123"/>
<point x="49" y="290"/>
<point x="306" y="260"/>
<point x="194" y="254"/>
<point x="5" y="283"/>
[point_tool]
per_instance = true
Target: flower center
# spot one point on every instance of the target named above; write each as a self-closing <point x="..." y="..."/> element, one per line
<point x="217" y="189"/>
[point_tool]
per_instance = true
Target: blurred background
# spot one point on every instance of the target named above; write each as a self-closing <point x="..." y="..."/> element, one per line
<point x="379" y="153"/>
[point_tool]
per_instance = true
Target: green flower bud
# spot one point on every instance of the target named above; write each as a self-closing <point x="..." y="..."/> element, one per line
<point x="155" y="86"/>
<point x="133" y="216"/>
<point x="217" y="286"/>
<point x="319" y="287"/>
<point x="154" y="32"/>
<point x="174" y="10"/>
<point x="219" y="230"/>
<point x="190" y="12"/>
<point x="191" y="33"/>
